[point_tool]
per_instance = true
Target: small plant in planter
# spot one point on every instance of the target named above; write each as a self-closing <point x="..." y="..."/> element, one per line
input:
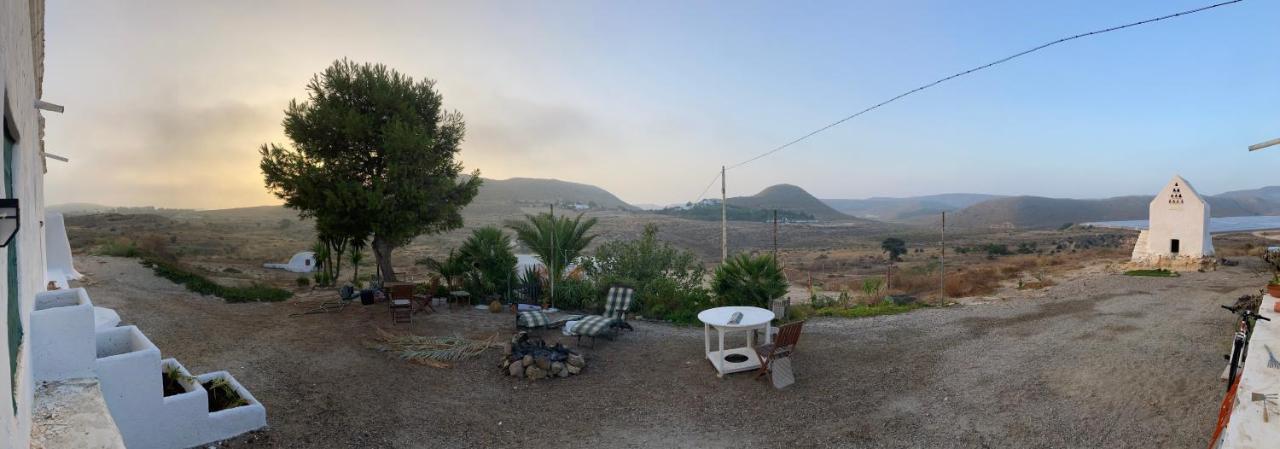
<point x="222" y="395"/>
<point x="1273" y="287"/>
<point x="173" y="378"/>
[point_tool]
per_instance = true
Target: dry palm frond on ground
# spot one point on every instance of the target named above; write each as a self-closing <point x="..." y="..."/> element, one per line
<point x="431" y="351"/>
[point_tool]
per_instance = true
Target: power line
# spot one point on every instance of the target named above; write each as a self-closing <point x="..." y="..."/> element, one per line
<point x="704" y="190"/>
<point x="975" y="69"/>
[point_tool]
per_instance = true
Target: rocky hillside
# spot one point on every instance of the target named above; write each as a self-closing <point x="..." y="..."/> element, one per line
<point x="1039" y="212"/>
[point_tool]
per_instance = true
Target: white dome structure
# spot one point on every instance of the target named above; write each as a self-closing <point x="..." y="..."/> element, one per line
<point x="303" y="262"/>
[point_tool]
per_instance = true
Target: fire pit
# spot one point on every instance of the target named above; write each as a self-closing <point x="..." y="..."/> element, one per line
<point x="532" y="358"/>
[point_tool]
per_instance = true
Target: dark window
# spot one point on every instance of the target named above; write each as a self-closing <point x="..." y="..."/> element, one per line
<point x="1173" y="246"/>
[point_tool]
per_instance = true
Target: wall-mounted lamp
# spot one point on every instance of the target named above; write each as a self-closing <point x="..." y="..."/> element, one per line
<point x="8" y="220"/>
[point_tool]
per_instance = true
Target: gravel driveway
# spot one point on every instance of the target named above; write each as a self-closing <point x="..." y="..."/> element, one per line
<point x="1099" y="361"/>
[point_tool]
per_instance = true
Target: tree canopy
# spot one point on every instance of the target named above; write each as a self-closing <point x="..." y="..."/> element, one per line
<point x="373" y="155"/>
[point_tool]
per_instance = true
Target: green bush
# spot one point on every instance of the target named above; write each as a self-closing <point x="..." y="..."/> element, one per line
<point x="120" y="248"/>
<point x="745" y="280"/>
<point x="667" y="280"/>
<point x="578" y="294"/>
<point x="303" y="281"/>
<point x="860" y="311"/>
<point x="199" y="284"/>
<point x="490" y="263"/>
<point x="1157" y="273"/>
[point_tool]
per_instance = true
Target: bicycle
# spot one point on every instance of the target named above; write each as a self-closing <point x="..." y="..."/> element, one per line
<point x="1238" y="347"/>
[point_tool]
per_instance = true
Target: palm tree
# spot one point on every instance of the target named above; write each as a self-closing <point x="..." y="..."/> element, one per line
<point x="557" y="241"/>
<point x="451" y="268"/>
<point x="492" y="264"/>
<point x="744" y="280"/>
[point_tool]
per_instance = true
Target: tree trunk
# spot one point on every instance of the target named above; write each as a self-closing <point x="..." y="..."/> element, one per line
<point x="382" y="253"/>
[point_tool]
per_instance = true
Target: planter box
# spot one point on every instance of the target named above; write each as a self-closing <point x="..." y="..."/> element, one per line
<point x="62" y="335"/>
<point x="128" y="368"/>
<point x="234" y="421"/>
<point x="181" y="416"/>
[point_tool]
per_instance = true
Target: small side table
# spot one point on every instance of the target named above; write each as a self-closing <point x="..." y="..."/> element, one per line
<point x="733" y="360"/>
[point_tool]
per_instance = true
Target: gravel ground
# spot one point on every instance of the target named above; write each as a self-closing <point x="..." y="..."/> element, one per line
<point x="1102" y="360"/>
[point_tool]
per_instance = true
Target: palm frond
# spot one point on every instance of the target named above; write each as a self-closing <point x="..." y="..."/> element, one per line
<point x="433" y="351"/>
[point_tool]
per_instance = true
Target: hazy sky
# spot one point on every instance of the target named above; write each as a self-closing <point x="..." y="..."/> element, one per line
<point x="167" y="102"/>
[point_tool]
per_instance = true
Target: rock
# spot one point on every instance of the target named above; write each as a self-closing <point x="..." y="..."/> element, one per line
<point x="557" y="367"/>
<point x="542" y="363"/>
<point x="564" y="372"/>
<point x="577" y="360"/>
<point x="572" y="369"/>
<point x="528" y="360"/>
<point x="506" y="349"/>
<point x="515" y="369"/>
<point x="535" y="373"/>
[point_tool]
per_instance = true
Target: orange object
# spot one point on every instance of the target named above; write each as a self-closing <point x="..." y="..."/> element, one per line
<point x="1224" y="413"/>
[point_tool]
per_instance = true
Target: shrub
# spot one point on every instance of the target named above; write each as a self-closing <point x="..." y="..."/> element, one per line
<point x="199" y="284"/>
<point x="303" y="281"/>
<point x="745" y="280"/>
<point x="667" y="280"/>
<point x="119" y="248"/>
<point x="883" y="308"/>
<point x="1158" y="273"/>
<point x="491" y="265"/>
<point x="577" y="294"/>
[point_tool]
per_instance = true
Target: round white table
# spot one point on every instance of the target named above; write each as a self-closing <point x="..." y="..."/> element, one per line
<point x="732" y="360"/>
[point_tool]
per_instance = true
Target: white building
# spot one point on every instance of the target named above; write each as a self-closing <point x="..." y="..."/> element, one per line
<point x="1179" y="228"/>
<point x="94" y="384"/>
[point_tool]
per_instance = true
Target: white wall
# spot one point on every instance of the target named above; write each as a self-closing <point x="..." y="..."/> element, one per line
<point x="20" y="82"/>
<point x="1179" y="212"/>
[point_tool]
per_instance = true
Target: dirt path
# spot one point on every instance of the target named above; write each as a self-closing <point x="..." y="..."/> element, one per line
<point x="1099" y="361"/>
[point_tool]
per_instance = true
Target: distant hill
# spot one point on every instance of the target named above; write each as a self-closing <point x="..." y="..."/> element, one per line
<point x="707" y="211"/>
<point x="1041" y="212"/>
<point x="504" y="197"/>
<point x="532" y="191"/>
<point x="908" y="208"/>
<point x="789" y="198"/>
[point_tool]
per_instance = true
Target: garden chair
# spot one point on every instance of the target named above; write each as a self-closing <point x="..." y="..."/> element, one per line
<point x="401" y="303"/>
<point x="614" y="318"/>
<point x="346" y="294"/>
<point x="778" y="351"/>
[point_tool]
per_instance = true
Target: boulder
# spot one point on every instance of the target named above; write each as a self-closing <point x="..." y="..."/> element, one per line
<point x="576" y="360"/>
<point x="515" y="369"/>
<point x="535" y="373"/>
<point x="542" y="362"/>
<point x="528" y="360"/>
<point x="572" y="369"/>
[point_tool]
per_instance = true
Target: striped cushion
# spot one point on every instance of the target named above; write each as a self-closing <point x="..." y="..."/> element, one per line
<point x="533" y="318"/>
<point x="618" y="302"/>
<point x="592" y="326"/>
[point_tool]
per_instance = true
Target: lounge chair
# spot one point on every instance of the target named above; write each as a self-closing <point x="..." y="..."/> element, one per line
<point x="781" y="349"/>
<point x="346" y="294"/>
<point x="614" y="318"/>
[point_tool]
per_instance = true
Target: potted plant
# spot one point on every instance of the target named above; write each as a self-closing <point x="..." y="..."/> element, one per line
<point x="1273" y="287"/>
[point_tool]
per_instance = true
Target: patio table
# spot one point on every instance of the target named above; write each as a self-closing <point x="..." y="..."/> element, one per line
<point x="734" y="360"/>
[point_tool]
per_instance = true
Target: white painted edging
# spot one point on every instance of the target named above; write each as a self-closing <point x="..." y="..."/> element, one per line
<point x="231" y="422"/>
<point x="62" y="335"/>
<point x="128" y="369"/>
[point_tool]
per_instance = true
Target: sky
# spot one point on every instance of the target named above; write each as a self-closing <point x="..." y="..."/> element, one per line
<point x="167" y="102"/>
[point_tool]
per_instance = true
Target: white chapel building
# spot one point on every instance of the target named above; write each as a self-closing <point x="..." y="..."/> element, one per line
<point x="1179" y="227"/>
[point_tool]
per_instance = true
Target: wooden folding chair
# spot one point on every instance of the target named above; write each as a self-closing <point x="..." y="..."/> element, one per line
<point x="401" y="303"/>
<point x="782" y="347"/>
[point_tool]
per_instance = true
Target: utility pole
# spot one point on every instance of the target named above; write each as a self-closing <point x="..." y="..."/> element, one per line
<point x="775" y="235"/>
<point x="552" y="263"/>
<point x="942" y="263"/>
<point x="724" y="221"/>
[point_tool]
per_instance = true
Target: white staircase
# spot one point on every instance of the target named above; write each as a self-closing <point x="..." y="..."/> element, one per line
<point x="71" y="340"/>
